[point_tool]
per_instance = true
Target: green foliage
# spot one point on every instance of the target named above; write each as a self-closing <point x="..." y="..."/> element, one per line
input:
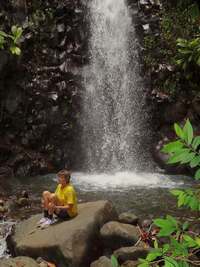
<point x="11" y="40"/>
<point x="177" y="250"/>
<point x="168" y="225"/>
<point x="114" y="261"/>
<point x="181" y="244"/>
<point x="187" y="198"/>
<point x="188" y="52"/>
<point x="177" y="47"/>
<point x="185" y="149"/>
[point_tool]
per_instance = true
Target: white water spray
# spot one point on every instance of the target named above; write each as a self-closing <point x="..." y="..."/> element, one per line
<point x="113" y="116"/>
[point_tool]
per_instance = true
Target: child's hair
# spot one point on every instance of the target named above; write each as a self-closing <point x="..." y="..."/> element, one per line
<point x="65" y="173"/>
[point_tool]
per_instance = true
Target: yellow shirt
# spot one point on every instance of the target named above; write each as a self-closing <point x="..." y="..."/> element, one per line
<point x="67" y="195"/>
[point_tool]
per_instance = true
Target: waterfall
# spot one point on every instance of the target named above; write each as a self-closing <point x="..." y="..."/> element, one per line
<point x="114" y="118"/>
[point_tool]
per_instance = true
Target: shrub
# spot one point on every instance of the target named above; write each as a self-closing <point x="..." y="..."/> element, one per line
<point x="11" y="40"/>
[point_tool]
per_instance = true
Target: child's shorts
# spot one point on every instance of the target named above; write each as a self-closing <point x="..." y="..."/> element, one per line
<point x="63" y="214"/>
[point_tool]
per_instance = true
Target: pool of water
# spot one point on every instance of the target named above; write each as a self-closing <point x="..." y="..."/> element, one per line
<point x="143" y="193"/>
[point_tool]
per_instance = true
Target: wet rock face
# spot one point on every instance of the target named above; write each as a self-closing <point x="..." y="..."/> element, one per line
<point x="40" y="91"/>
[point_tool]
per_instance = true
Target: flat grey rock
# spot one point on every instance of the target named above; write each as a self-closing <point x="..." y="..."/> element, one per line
<point x="71" y="243"/>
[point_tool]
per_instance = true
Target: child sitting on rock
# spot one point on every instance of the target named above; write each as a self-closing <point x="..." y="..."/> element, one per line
<point x="62" y="203"/>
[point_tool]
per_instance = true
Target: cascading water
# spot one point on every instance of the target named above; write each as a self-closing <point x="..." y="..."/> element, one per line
<point x="114" y="118"/>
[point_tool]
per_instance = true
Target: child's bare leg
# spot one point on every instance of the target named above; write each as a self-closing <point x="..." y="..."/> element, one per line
<point x="46" y="199"/>
<point x="53" y="202"/>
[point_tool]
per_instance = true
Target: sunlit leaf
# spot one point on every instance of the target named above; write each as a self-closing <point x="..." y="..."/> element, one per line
<point x="178" y="130"/>
<point x="188" y="157"/>
<point x="114" y="261"/>
<point x="195" y="162"/>
<point x="172" y="146"/>
<point x="196" y="142"/>
<point x="179" y="156"/>
<point x="188" y="132"/>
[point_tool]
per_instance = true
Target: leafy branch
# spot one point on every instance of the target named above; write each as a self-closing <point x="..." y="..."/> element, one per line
<point x="182" y="245"/>
<point x="11" y="41"/>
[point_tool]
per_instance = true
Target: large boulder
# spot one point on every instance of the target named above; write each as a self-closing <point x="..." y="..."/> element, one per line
<point x="72" y="243"/>
<point x="19" y="262"/>
<point x="116" y="235"/>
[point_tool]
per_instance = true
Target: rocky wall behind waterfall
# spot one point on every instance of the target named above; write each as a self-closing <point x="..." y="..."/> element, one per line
<point x="40" y="90"/>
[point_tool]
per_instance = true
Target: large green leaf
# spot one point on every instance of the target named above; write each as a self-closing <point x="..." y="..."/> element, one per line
<point x="178" y="130"/>
<point x="194" y="203"/>
<point x="169" y="262"/>
<point x="179" y="156"/>
<point x="177" y="248"/>
<point x="196" y="142"/>
<point x="188" y="158"/>
<point x="176" y="192"/>
<point x="143" y="263"/>
<point x="195" y="162"/>
<point x="168" y="225"/>
<point x="166" y="247"/>
<point x="154" y="254"/>
<point x="197" y="239"/>
<point x="183" y="264"/>
<point x="114" y="261"/>
<point x="188" y="132"/>
<point x="172" y="147"/>
<point x="172" y="220"/>
<point x="181" y="200"/>
<point x="190" y="241"/>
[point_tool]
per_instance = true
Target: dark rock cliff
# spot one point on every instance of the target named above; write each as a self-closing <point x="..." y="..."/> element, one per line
<point x="40" y="91"/>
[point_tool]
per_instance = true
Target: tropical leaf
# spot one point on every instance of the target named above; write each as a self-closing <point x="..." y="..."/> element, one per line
<point x="188" y="158"/>
<point x="114" y="261"/>
<point x="169" y="262"/>
<point x="179" y="156"/>
<point x="196" y="142"/>
<point x="172" y="147"/>
<point x="168" y="225"/>
<point x="188" y="132"/>
<point x="176" y="192"/>
<point x="178" y="130"/>
<point x="154" y="254"/>
<point x="195" y="162"/>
